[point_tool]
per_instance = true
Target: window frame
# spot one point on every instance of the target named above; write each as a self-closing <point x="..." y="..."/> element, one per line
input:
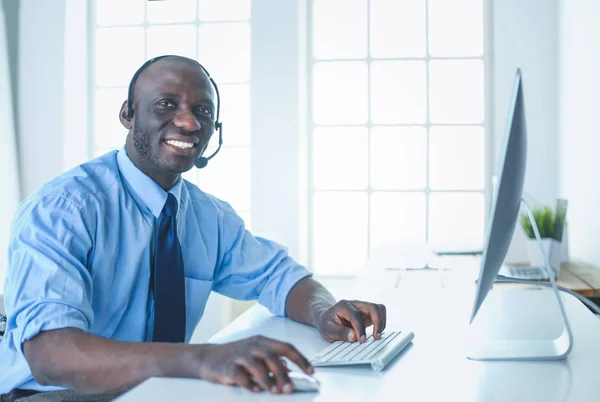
<point x="487" y="125"/>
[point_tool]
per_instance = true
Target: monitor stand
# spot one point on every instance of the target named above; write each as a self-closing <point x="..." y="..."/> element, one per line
<point x="528" y="349"/>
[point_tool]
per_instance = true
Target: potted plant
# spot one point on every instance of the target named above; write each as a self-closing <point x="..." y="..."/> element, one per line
<point x="550" y="225"/>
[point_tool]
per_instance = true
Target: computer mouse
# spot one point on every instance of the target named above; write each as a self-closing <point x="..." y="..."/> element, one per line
<point x="303" y="382"/>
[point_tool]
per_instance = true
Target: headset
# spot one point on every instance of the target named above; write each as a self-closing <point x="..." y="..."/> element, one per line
<point x="201" y="161"/>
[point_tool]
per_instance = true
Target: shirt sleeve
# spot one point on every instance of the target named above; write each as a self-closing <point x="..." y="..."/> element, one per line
<point x="253" y="267"/>
<point x="47" y="284"/>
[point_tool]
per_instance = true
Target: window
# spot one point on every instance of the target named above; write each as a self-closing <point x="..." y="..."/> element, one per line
<point x="397" y="139"/>
<point x="214" y="32"/>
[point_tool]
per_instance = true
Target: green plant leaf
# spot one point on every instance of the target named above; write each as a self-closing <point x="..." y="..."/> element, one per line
<point x="526" y="225"/>
<point x="544" y="218"/>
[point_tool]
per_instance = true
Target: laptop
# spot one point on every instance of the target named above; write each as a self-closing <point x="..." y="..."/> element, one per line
<point x="539" y="273"/>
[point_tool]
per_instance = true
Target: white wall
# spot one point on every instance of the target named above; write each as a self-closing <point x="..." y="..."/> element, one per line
<point x="75" y="138"/>
<point x="41" y="93"/>
<point x="8" y="159"/>
<point x="52" y="89"/>
<point x="525" y="35"/>
<point x="11" y="22"/>
<point x="579" y="140"/>
<point x="277" y="122"/>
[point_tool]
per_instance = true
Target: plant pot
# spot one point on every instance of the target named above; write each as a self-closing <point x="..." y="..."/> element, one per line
<point x="553" y="250"/>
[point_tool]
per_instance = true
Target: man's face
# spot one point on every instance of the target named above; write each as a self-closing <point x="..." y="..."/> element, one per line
<point x="173" y="116"/>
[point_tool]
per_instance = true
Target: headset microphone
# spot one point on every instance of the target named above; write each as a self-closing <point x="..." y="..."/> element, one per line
<point x="201" y="162"/>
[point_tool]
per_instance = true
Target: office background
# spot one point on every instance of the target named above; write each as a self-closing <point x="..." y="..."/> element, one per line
<point x="292" y="166"/>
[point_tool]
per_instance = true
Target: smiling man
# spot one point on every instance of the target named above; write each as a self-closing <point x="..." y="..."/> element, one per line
<point x="111" y="264"/>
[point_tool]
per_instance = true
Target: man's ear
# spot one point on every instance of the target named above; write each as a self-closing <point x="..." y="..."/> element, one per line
<point x="125" y="121"/>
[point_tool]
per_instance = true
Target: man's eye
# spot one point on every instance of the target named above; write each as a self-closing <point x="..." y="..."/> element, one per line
<point x="205" y="111"/>
<point x="166" y="104"/>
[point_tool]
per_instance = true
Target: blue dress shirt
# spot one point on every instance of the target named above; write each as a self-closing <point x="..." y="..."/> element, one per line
<point x="80" y="255"/>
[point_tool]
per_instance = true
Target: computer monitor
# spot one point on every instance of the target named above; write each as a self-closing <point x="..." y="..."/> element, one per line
<point x="507" y="195"/>
<point x="503" y="218"/>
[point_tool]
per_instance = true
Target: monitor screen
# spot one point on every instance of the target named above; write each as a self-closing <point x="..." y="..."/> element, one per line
<point x="507" y="195"/>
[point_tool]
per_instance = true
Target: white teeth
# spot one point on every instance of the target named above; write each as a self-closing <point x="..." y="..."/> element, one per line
<point x="180" y="144"/>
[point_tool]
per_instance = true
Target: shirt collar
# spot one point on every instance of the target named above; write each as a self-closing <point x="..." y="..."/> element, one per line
<point x="147" y="189"/>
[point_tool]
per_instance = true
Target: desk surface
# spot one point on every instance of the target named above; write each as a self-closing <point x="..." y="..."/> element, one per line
<point x="577" y="276"/>
<point x="581" y="278"/>
<point x="434" y="366"/>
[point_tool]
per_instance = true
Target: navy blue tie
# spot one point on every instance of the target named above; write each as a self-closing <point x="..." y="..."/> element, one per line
<point x="169" y="280"/>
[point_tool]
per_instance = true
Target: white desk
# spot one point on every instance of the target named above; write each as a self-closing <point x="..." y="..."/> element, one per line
<point x="434" y="367"/>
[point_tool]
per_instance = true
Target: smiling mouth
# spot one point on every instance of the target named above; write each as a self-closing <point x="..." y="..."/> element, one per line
<point x="183" y="145"/>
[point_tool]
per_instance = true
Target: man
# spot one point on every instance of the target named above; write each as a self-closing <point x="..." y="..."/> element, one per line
<point x="110" y="264"/>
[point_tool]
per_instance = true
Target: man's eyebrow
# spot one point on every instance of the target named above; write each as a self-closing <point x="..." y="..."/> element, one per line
<point x="205" y="100"/>
<point x="168" y="95"/>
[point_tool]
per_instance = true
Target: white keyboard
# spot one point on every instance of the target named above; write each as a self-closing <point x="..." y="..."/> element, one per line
<point x="377" y="353"/>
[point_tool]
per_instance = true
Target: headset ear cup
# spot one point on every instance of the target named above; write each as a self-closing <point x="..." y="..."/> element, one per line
<point x="125" y="119"/>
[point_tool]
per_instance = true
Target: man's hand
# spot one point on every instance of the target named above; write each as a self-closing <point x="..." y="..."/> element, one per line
<point x="310" y="303"/>
<point x="248" y="362"/>
<point x="347" y="319"/>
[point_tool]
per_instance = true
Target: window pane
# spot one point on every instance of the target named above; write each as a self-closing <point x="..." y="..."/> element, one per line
<point x="224" y="50"/>
<point x="119" y="12"/>
<point x="398" y="92"/>
<point x="108" y="130"/>
<point x="456" y="220"/>
<point x="455" y="28"/>
<point x="397" y="219"/>
<point x="172" y="39"/>
<point x="171" y="11"/>
<point x="339" y="29"/>
<point x="119" y="53"/>
<point x="340" y="93"/>
<point x="398" y="28"/>
<point x="224" y="10"/>
<point x="227" y="176"/>
<point x="235" y="114"/>
<point x="340" y="232"/>
<point x="398" y="158"/>
<point x="456" y="91"/>
<point x="456" y="158"/>
<point x="340" y="158"/>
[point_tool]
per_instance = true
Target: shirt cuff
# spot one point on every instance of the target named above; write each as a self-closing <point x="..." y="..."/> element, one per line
<point x="49" y="316"/>
<point x="282" y="290"/>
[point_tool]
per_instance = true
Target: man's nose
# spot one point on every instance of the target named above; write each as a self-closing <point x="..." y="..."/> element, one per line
<point x="186" y="120"/>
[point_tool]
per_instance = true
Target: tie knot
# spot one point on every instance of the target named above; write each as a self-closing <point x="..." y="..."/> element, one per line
<point x="170" y="208"/>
